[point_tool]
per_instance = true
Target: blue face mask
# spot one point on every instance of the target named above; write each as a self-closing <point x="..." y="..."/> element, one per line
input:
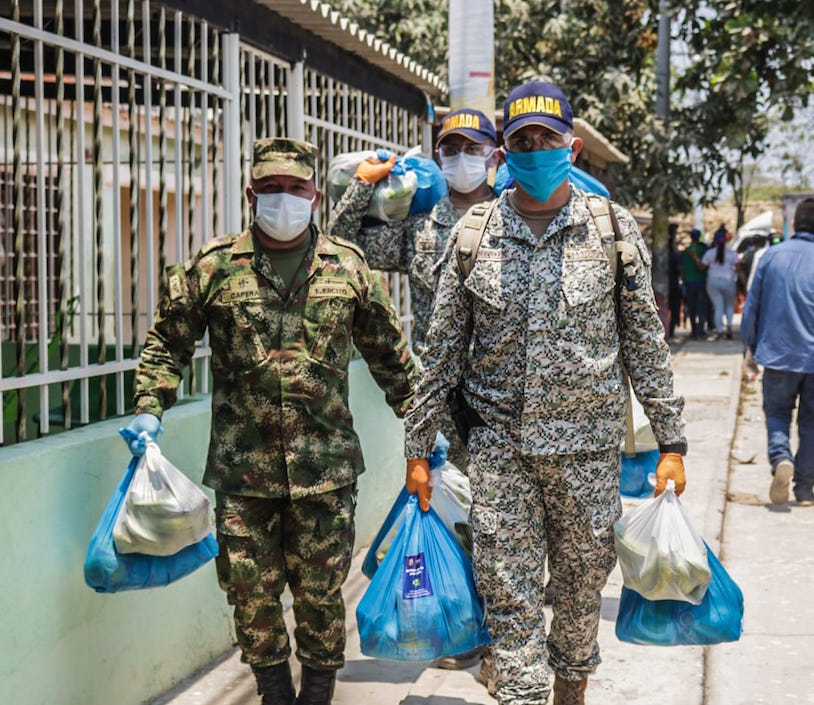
<point x="540" y="173"/>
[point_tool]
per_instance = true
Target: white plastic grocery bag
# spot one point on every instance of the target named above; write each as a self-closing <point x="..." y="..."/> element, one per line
<point x="452" y="500"/>
<point x="661" y="555"/>
<point x="163" y="511"/>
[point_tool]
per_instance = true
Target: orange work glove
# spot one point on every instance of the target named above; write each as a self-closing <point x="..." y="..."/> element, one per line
<point x="371" y="170"/>
<point x="418" y="480"/>
<point x="670" y="467"/>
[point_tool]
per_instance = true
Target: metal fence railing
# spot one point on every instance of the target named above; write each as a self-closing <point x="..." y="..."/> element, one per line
<point x="126" y="130"/>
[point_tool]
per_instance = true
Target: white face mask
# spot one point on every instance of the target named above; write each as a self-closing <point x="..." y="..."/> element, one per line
<point x="464" y="172"/>
<point x="282" y="216"/>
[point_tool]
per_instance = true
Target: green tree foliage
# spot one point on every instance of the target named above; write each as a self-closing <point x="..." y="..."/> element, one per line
<point x="748" y="60"/>
<point x="602" y="53"/>
<point x="745" y="57"/>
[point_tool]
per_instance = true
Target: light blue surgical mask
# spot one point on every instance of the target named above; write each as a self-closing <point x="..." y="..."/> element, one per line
<point x="539" y="173"/>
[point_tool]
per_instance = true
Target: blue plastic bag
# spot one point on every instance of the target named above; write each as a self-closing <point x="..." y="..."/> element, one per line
<point x="432" y="186"/>
<point x="384" y="539"/>
<point x="395" y="517"/>
<point x="636" y="474"/>
<point x="421" y="604"/>
<point x="585" y="182"/>
<point x="106" y="570"/>
<point x="719" y="617"/>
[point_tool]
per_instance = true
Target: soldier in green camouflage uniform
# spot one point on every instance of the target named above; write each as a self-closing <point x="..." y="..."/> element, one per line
<point x="465" y="144"/>
<point x="284" y="305"/>
<point x="533" y="334"/>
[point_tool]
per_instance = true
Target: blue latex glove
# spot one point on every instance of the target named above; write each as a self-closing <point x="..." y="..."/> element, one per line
<point x="384" y="155"/>
<point x="438" y="456"/>
<point x="142" y="428"/>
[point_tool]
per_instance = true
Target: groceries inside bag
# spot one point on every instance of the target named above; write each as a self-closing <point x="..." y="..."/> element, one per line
<point x="163" y="510"/>
<point x="718" y="619"/>
<point x="421" y="603"/>
<point x="661" y="555"/>
<point x="414" y="185"/>
<point x="108" y="571"/>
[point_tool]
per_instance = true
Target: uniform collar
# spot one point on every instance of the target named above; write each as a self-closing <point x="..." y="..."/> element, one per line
<point x="262" y="260"/>
<point x="573" y="213"/>
<point x="444" y="213"/>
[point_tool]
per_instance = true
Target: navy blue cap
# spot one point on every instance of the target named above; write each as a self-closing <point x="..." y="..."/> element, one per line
<point x="537" y="103"/>
<point x="695" y="234"/>
<point x="472" y="124"/>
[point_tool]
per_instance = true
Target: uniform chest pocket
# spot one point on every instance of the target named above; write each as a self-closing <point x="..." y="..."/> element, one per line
<point x="586" y="280"/>
<point x="328" y="325"/>
<point x="486" y="283"/>
<point x="243" y="331"/>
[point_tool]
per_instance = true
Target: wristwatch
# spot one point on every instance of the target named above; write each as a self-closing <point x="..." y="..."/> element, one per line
<point x="679" y="447"/>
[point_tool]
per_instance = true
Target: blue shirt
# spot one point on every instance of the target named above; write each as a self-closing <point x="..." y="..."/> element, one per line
<point x="778" y="316"/>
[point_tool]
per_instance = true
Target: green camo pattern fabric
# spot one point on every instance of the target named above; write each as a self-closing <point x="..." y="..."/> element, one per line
<point x="281" y="425"/>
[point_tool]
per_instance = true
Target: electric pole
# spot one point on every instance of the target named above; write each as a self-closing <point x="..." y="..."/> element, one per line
<point x="661" y="283"/>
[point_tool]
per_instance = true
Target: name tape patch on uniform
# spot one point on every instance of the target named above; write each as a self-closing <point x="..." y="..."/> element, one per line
<point x="241" y="289"/>
<point x="330" y="287"/>
<point x="426" y="245"/>
<point x="488" y="254"/>
<point x="176" y="286"/>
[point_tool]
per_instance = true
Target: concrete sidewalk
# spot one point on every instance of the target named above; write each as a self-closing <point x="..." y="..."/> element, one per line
<point x="765" y="548"/>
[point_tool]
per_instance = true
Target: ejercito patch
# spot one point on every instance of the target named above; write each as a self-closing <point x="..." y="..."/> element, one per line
<point x="330" y="287"/>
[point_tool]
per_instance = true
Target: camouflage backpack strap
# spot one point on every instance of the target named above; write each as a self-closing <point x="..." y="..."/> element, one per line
<point x="601" y="211"/>
<point x="615" y="249"/>
<point x="469" y="238"/>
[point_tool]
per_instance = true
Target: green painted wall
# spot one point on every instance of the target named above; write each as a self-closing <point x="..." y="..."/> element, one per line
<point x="63" y="644"/>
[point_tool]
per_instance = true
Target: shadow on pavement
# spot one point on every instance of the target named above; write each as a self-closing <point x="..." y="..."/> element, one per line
<point x="376" y="671"/>
<point x="434" y="700"/>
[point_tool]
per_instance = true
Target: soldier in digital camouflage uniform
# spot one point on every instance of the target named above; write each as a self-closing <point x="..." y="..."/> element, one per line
<point x="544" y="373"/>
<point x="415" y="246"/>
<point x="284" y="305"/>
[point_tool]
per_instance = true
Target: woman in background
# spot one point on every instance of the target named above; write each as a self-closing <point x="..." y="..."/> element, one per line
<point x="720" y="264"/>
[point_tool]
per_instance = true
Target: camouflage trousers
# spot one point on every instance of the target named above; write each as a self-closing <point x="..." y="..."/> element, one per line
<point x="306" y="543"/>
<point x="526" y="509"/>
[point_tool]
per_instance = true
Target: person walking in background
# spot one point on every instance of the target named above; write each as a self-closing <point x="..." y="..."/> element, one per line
<point x="751" y="257"/>
<point x="720" y="264"/>
<point x="533" y="337"/>
<point x="284" y="306"/>
<point x="674" y="295"/>
<point x="695" y="284"/>
<point x="778" y="327"/>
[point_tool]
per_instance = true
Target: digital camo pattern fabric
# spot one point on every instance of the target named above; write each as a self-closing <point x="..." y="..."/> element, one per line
<point x="307" y="543"/>
<point x="281" y="425"/>
<point x="543" y="363"/>
<point x="414" y="246"/>
<point x="526" y="509"/>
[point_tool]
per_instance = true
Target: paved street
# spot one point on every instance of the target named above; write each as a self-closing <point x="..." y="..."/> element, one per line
<point x="766" y="549"/>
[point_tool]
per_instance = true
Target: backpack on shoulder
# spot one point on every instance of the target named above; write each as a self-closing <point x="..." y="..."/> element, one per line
<point x="620" y="253"/>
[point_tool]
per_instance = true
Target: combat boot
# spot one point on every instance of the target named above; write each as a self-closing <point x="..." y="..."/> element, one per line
<point x="317" y="686"/>
<point x="569" y="692"/>
<point x="274" y="684"/>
